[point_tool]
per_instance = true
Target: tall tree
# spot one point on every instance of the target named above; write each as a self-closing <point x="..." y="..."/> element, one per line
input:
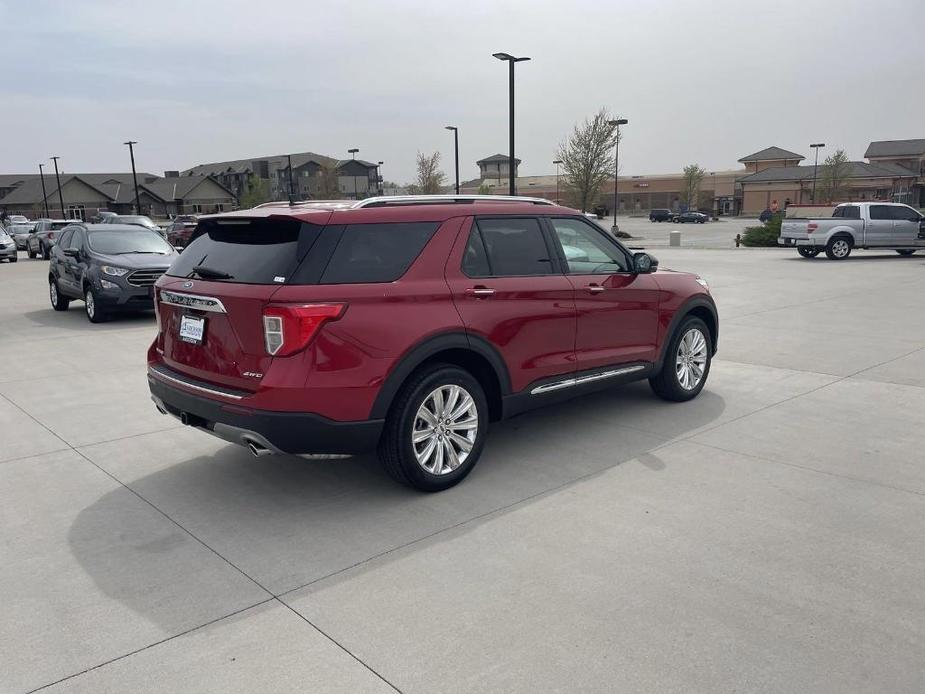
<point x="256" y="190"/>
<point x="693" y="177"/>
<point x="833" y="179"/>
<point x="587" y="158"/>
<point x="328" y="185"/>
<point x="430" y="178"/>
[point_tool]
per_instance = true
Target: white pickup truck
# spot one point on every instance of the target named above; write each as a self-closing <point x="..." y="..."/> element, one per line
<point x="871" y="225"/>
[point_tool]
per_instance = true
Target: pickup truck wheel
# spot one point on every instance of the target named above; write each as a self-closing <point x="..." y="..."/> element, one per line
<point x="807" y="251"/>
<point x="436" y="429"/>
<point x="838" y="248"/>
<point x="905" y="251"/>
<point x="686" y="364"/>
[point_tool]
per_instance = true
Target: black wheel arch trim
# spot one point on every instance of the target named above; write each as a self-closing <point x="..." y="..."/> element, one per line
<point x="683" y="311"/>
<point x="427" y="348"/>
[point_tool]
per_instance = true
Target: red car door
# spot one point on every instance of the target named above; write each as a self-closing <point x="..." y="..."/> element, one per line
<point x="509" y="290"/>
<point x="617" y="308"/>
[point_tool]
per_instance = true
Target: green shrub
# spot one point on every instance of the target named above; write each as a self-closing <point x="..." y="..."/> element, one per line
<point x="765" y="235"/>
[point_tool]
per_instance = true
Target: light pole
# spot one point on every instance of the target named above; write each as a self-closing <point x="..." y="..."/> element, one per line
<point x="455" y="152"/>
<point x="289" y="162"/>
<point x="44" y="192"/>
<point x="815" y="167"/>
<point x="353" y="153"/>
<point x="131" y="151"/>
<point x="616" y="168"/>
<point x="379" y="178"/>
<point x="58" y="179"/>
<point x="557" y="162"/>
<point x="510" y="61"/>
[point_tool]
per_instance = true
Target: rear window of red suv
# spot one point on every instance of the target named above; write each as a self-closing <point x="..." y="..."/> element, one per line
<point x="262" y="251"/>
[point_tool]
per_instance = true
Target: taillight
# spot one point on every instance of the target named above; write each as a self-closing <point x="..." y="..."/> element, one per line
<point x="811" y="227"/>
<point x="289" y="328"/>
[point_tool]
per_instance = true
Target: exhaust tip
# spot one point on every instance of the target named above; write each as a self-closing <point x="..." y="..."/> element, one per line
<point x="256" y="449"/>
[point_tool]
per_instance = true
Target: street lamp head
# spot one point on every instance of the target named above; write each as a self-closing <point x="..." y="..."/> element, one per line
<point x="451" y="127"/>
<point x="818" y="144"/>
<point x="130" y="143"/>
<point x="353" y="150"/>
<point x="557" y="161"/>
<point x="380" y="163"/>
<point x="618" y="121"/>
<point x="508" y="56"/>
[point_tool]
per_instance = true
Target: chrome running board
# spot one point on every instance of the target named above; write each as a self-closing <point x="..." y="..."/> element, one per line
<point x="581" y="380"/>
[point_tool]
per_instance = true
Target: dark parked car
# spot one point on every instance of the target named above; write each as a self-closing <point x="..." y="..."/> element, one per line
<point x="181" y="229"/>
<point x="111" y="267"/>
<point x="45" y="236"/>
<point x="694" y="217"/>
<point x="660" y="215"/>
<point x="408" y="324"/>
<point x="133" y="220"/>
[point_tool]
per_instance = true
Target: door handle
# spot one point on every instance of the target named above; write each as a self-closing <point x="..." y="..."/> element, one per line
<point x="594" y="288"/>
<point x="480" y="292"/>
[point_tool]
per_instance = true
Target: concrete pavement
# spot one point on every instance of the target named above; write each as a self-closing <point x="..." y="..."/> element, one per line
<point x="769" y="536"/>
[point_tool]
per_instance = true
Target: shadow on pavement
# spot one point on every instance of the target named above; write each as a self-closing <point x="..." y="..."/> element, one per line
<point x="287" y="522"/>
<point x="75" y="319"/>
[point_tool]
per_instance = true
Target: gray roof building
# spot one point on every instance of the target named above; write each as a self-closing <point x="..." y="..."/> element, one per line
<point x="857" y="169"/>
<point x="895" y="148"/>
<point x="772" y="154"/>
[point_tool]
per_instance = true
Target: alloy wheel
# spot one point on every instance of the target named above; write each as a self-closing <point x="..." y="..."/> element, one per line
<point x="840" y="248"/>
<point x="90" y="304"/>
<point x="691" y="359"/>
<point x="445" y="429"/>
<point x="53" y="293"/>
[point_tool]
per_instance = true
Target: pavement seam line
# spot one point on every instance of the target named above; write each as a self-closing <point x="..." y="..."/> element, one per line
<point x="335" y="642"/>
<point x="151" y="645"/>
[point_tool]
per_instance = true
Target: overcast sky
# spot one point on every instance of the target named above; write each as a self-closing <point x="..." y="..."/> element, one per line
<point x="204" y="80"/>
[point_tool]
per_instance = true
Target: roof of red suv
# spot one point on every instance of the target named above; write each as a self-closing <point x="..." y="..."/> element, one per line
<point x="399" y="208"/>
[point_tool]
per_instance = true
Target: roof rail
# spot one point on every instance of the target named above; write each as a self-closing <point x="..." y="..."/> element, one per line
<point x="443" y="199"/>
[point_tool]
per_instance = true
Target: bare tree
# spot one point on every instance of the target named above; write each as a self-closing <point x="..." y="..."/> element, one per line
<point x="587" y="158"/>
<point x="693" y="177"/>
<point x="833" y="181"/>
<point x="328" y="183"/>
<point x="430" y="178"/>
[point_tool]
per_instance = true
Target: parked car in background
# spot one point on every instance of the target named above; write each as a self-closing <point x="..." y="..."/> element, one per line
<point x="660" y="215"/>
<point x="407" y="325"/>
<point x="18" y="219"/>
<point x="134" y="220"/>
<point x="111" y="267"/>
<point x="20" y="234"/>
<point x="693" y="217"/>
<point x="101" y="215"/>
<point x="43" y="239"/>
<point x="7" y="247"/>
<point x="868" y="225"/>
<point x="181" y="229"/>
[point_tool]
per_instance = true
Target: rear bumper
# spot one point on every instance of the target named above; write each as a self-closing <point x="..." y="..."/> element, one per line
<point x="792" y="242"/>
<point x="296" y="433"/>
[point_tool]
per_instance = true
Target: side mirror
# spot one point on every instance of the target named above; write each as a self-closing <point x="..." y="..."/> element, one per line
<point x="72" y="252"/>
<point x="643" y="263"/>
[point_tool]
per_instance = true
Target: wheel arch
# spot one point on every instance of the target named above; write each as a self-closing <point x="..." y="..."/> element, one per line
<point x="700" y="307"/>
<point x="470" y="352"/>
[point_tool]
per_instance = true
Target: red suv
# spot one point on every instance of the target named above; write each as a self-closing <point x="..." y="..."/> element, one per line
<point x="410" y="324"/>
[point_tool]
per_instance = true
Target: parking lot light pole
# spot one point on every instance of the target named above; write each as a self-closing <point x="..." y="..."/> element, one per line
<point x="557" y="162"/>
<point x="379" y="177"/>
<point x="289" y="162"/>
<point x="44" y="192"/>
<point x="510" y="61"/>
<point x="131" y="151"/>
<point x="616" y="168"/>
<point x="353" y="153"/>
<point x="60" y="195"/>
<point x="455" y="152"/>
<point x="815" y="167"/>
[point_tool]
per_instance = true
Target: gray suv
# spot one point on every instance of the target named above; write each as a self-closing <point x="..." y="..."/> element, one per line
<point x="111" y="267"/>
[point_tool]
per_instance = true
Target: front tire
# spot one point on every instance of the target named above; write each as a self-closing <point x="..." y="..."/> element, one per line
<point x="58" y="302"/>
<point x="435" y="429"/>
<point x="14" y="258"/>
<point x="32" y="254"/>
<point x="838" y="248"/>
<point x="46" y="253"/>
<point x="95" y="312"/>
<point x="687" y="362"/>
<point x="905" y="251"/>
<point x="807" y="251"/>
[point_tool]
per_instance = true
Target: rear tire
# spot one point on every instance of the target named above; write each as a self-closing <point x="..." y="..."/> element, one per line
<point x="838" y="248"/>
<point x="689" y="352"/>
<point x="31" y="253"/>
<point x="807" y="251"/>
<point x="14" y="258"/>
<point x="405" y="443"/>
<point x="906" y="251"/>
<point x="58" y="302"/>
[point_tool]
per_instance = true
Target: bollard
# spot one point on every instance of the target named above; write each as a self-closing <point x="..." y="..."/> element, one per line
<point x="674" y="238"/>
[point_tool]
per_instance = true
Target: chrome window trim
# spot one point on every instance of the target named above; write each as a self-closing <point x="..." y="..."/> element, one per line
<point x="197" y="302"/>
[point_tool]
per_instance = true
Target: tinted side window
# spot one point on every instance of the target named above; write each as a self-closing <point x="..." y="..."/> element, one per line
<point x="515" y="247"/>
<point x="904" y="214"/>
<point x="852" y="212"/>
<point x="377" y="252"/>
<point x="475" y="259"/>
<point x="880" y="212"/>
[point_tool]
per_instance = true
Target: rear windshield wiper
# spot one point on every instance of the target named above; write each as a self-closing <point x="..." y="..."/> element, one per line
<point x="208" y="273"/>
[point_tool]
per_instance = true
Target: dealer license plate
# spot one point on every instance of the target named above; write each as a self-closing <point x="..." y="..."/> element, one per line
<point x="192" y="329"/>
